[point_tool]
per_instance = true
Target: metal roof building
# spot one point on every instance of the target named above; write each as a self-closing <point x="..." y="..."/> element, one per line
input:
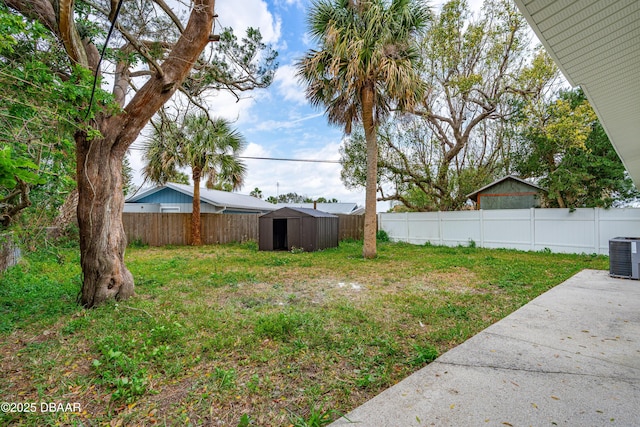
<point x="173" y="197"/>
<point x="332" y="208"/>
<point x="298" y="228"/>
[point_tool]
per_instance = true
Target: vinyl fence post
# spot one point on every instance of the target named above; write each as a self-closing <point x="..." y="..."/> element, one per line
<point x="532" y="227"/>
<point x="596" y="230"/>
<point x="440" y="237"/>
<point x="407" y="229"/>
<point x="481" y="228"/>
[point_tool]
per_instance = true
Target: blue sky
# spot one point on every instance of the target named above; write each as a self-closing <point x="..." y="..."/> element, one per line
<point x="278" y="121"/>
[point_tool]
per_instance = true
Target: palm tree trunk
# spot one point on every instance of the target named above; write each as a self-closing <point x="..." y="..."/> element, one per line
<point x="196" y="239"/>
<point x="370" y="224"/>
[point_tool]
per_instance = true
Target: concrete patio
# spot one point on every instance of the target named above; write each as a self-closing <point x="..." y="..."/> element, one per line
<point x="570" y="357"/>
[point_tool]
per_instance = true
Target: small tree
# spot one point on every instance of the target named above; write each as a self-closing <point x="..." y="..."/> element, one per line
<point x="36" y="128"/>
<point x="256" y="192"/>
<point x="209" y="147"/>
<point x="564" y="146"/>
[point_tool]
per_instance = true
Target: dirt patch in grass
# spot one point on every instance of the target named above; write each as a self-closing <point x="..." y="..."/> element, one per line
<point x="456" y="279"/>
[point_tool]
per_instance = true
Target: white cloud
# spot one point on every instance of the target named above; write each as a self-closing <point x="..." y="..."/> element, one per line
<point x="271" y="125"/>
<point x="289" y="85"/>
<point x="255" y="150"/>
<point x="226" y="105"/>
<point x="307" y="40"/>
<point x="330" y="151"/>
<point x="297" y="3"/>
<point x="253" y="13"/>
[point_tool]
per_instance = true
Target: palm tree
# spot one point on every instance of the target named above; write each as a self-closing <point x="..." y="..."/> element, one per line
<point x="208" y="146"/>
<point x="366" y="65"/>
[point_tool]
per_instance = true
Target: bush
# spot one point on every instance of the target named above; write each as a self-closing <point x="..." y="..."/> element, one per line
<point x="382" y="236"/>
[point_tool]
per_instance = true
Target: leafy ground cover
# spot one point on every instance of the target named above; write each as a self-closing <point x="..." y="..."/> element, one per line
<point x="229" y="335"/>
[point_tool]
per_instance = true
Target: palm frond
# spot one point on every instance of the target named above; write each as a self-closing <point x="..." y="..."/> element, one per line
<point x="211" y="146"/>
<point x="362" y="43"/>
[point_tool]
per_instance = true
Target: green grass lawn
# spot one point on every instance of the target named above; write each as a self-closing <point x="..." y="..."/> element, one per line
<point x="228" y="335"/>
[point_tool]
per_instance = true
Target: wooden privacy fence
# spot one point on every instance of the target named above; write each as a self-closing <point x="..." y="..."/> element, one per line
<point x="159" y="229"/>
<point x="350" y="227"/>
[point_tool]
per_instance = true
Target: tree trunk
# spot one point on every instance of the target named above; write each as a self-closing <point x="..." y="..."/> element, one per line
<point x="102" y="237"/>
<point x="370" y="223"/>
<point x="196" y="240"/>
<point x="99" y="159"/>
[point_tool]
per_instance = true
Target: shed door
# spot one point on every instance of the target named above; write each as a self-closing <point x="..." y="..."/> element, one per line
<point x="266" y="234"/>
<point x="279" y="234"/>
<point x="293" y="233"/>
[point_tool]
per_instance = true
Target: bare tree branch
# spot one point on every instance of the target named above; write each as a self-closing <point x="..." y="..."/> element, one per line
<point x="170" y="14"/>
<point x="195" y="102"/>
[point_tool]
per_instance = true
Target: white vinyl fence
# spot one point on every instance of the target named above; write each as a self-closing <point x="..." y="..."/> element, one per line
<point x="559" y="230"/>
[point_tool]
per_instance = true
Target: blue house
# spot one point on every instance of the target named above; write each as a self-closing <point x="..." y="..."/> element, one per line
<point x="178" y="198"/>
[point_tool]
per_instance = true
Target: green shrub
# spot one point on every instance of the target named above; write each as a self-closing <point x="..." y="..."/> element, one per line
<point x="382" y="236"/>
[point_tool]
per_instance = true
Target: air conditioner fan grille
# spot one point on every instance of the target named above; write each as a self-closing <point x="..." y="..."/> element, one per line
<point x="620" y="259"/>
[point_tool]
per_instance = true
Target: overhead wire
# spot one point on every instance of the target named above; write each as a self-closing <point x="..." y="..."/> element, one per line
<point x="277" y="159"/>
<point x="104" y="49"/>
<point x="289" y="160"/>
<point x="282" y="159"/>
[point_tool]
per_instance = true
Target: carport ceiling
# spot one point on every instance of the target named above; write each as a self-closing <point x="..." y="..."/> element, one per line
<point x="596" y="44"/>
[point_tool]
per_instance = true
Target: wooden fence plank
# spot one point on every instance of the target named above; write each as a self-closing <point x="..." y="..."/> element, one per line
<point x="161" y="229"/>
<point x="350" y="227"/>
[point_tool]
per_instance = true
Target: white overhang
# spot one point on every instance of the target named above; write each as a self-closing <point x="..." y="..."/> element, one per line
<point x="596" y="45"/>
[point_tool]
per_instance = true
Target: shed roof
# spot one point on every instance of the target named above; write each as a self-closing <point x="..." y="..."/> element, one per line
<point x="595" y="44"/>
<point x="333" y="208"/>
<point x="224" y="199"/>
<point x="474" y="196"/>
<point x="283" y="212"/>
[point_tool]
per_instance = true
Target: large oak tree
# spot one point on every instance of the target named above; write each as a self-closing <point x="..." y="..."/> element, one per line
<point x="102" y="141"/>
<point x="478" y="71"/>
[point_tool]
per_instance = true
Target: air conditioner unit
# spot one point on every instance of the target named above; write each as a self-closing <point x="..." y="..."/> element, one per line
<point x="624" y="257"/>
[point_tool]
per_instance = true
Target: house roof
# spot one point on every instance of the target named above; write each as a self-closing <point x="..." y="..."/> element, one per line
<point x="474" y="196"/>
<point x="332" y="208"/>
<point x="595" y="45"/>
<point x="224" y="199"/>
<point x="304" y="211"/>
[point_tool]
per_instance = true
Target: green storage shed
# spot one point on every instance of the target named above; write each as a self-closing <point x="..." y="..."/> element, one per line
<point x="509" y="192"/>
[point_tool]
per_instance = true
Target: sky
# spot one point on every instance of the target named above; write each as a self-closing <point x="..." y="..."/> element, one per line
<point x="278" y="121"/>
